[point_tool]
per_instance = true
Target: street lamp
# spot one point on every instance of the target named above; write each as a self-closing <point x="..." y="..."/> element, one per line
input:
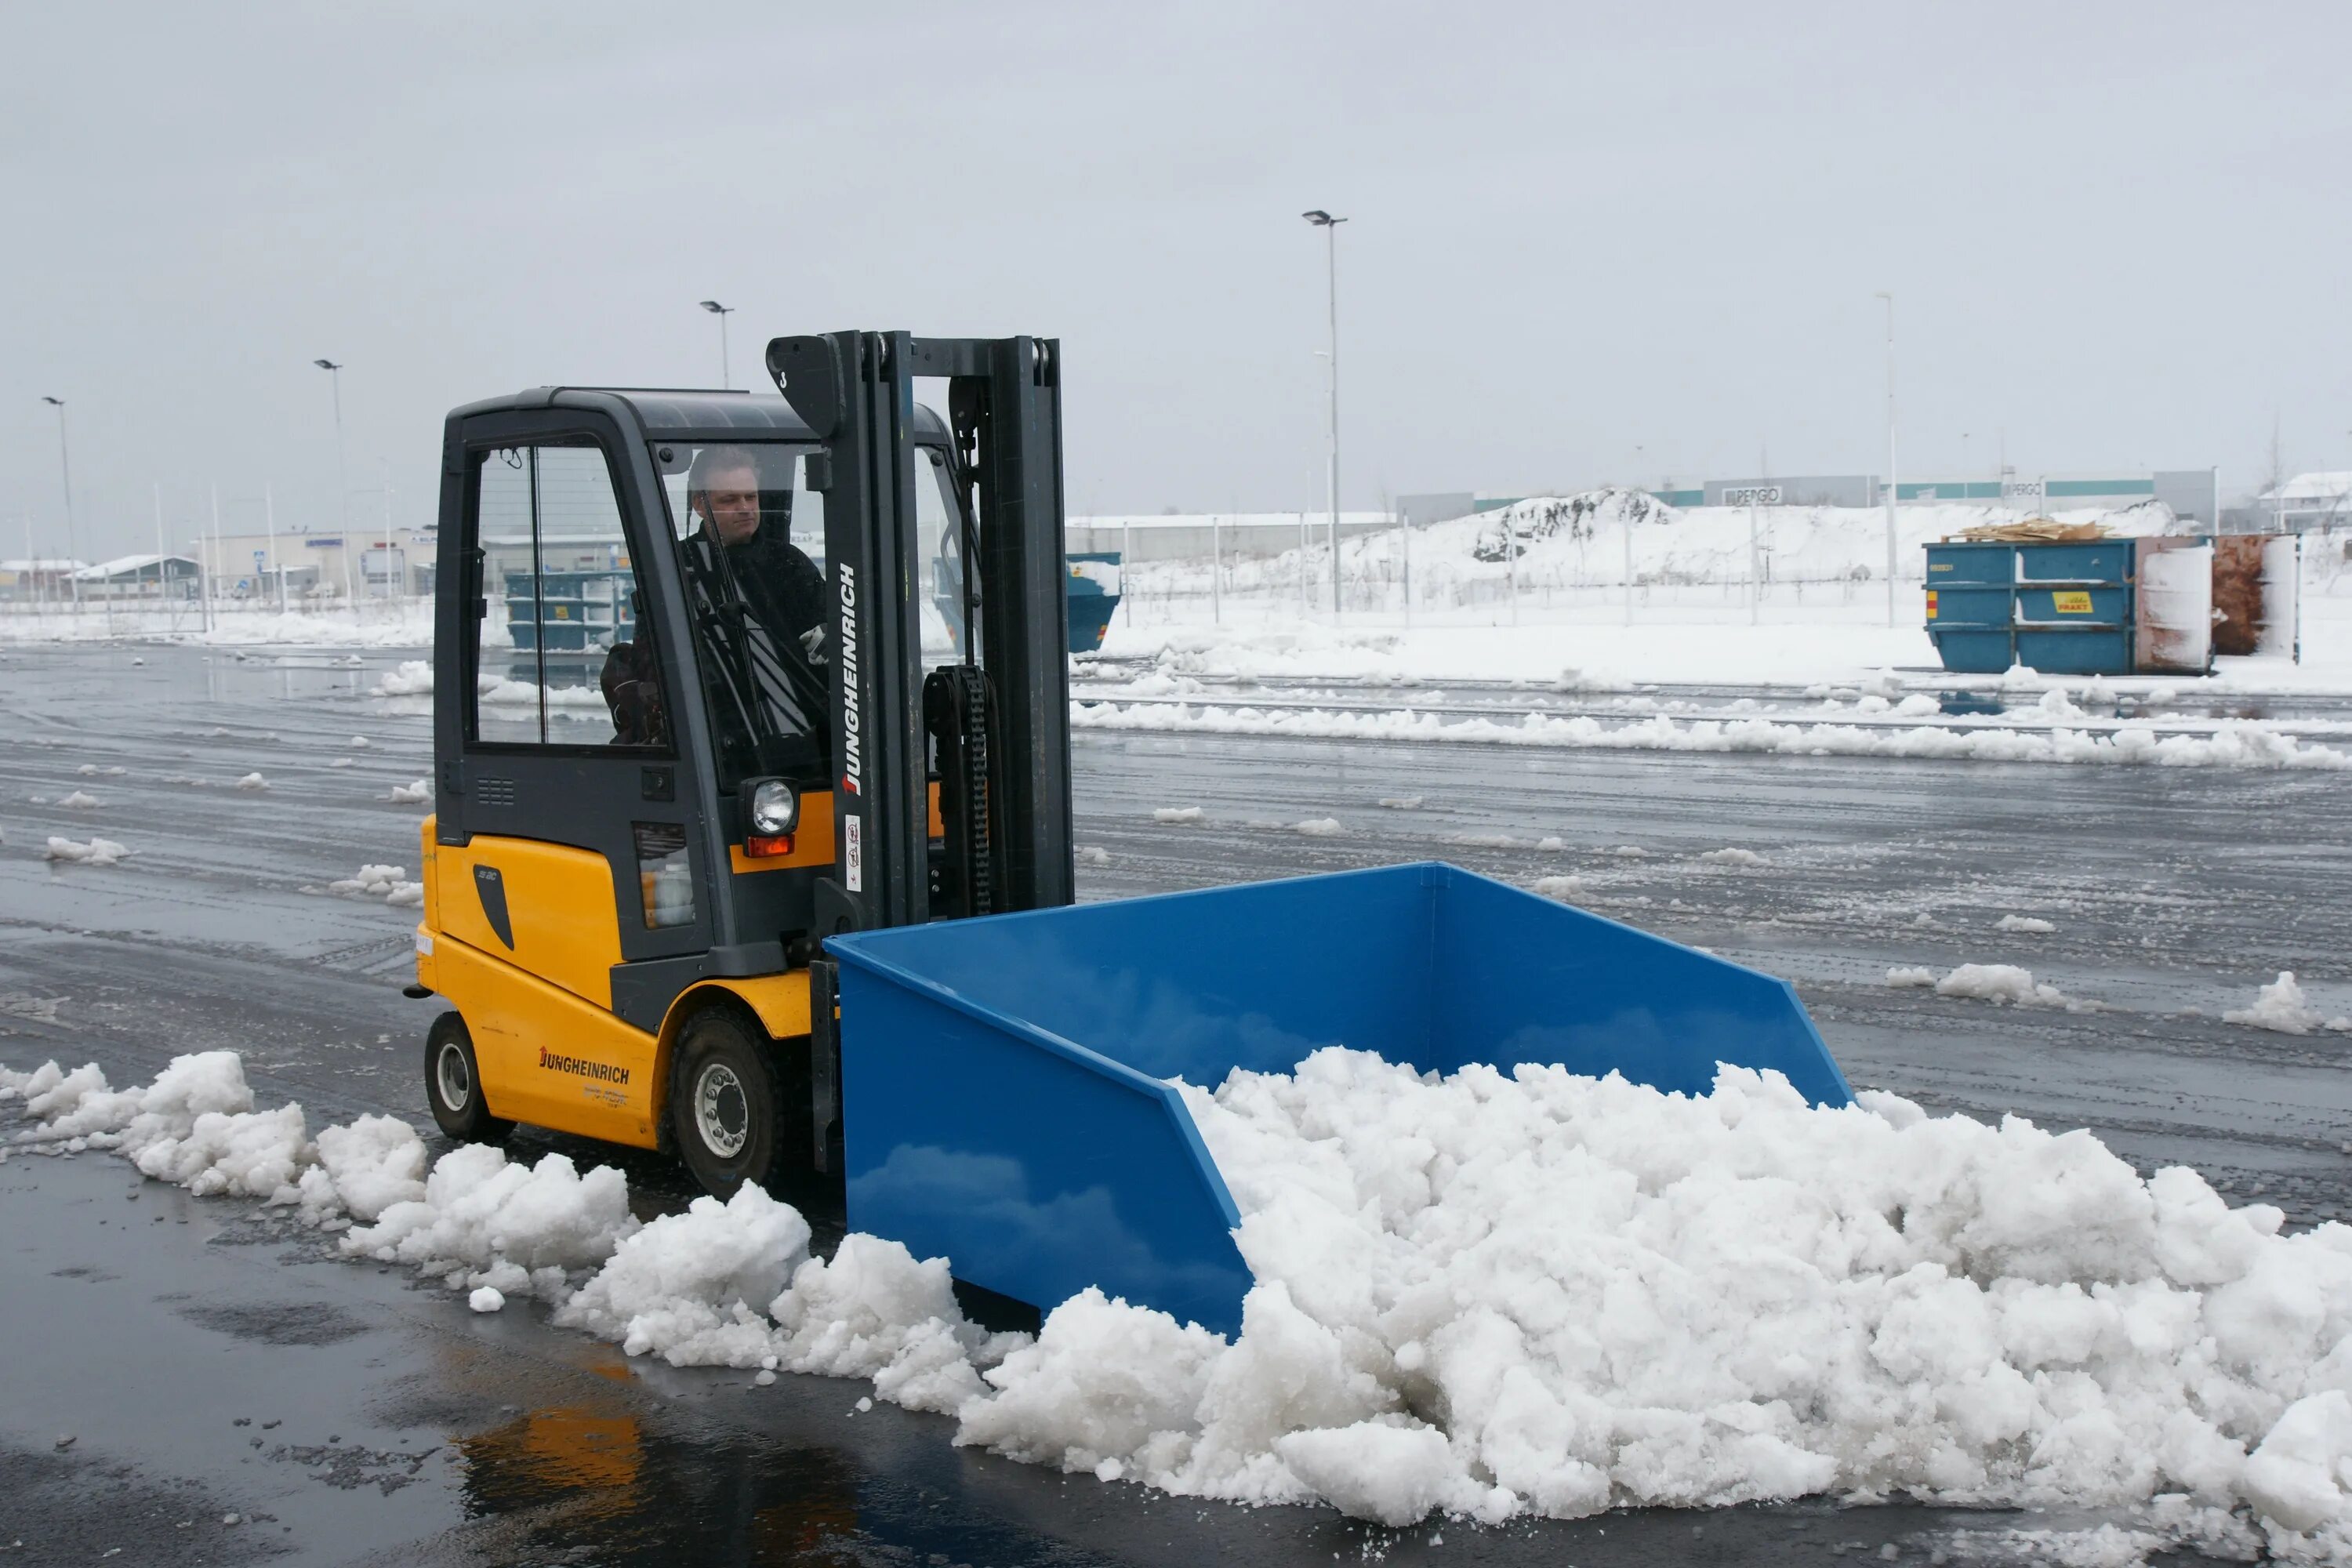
<point x="1891" y="486"/>
<point x="726" y="373"/>
<point x="1331" y="227"/>
<point x="64" y="468"/>
<point x="343" y="488"/>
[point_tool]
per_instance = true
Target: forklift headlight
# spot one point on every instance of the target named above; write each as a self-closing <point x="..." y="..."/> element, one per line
<point x="775" y="808"/>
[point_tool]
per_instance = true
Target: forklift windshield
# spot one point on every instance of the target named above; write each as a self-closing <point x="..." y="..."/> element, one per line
<point x="745" y="525"/>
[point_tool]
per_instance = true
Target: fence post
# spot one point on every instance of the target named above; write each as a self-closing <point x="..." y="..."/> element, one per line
<point x="1629" y="568"/>
<point x="1216" y="569"/>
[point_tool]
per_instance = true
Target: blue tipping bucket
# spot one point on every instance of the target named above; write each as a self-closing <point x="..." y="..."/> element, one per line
<point x="1003" y="1093"/>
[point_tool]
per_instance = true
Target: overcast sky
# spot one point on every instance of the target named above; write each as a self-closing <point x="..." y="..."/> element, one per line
<point x="1586" y="243"/>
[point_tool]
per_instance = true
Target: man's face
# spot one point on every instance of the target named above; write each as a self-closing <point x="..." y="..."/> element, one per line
<point x="730" y="503"/>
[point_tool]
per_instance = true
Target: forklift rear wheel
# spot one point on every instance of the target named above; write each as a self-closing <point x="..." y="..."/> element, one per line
<point x="729" y="1108"/>
<point x="453" y="1084"/>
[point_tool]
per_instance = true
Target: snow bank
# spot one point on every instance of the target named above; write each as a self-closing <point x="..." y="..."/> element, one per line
<point x="1493" y="1294"/>
<point x="2235" y="744"/>
<point x="2281" y="1006"/>
<point x="97" y="852"/>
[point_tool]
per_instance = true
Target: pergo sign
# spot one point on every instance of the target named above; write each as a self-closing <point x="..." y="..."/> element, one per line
<point x="1752" y="495"/>
<point x="2023" y="489"/>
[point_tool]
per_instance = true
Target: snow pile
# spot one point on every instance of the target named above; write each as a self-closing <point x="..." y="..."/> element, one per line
<point x="97" y="852"/>
<point x="389" y="883"/>
<point x="251" y="782"/>
<point x="364" y="1168"/>
<point x="1732" y="855"/>
<point x="410" y="678"/>
<point x="79" y="801"/>
<point x="1319" y="827"/>
<point x="2281" y="1006"/>
<point x="1093" y="855"/>
<point x="1496" y="1293"/>
<point x="2024" y="924"/>
<point x="1400" y="801"/>
<point x="1508" y="532"/>
<point x="193" y="1126"/>
<point x="733" y="1284"/>
<point x="360" y="742"/>
<point x="417" y="793"/>
<point x="92" y="771"/>
<point x="483" y="1220"/>
<point x="1176" y="815"/>
<point x="1501" y="1293"/>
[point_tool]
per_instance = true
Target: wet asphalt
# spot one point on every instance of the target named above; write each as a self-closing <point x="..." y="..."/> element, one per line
<point x="207" y="1358"/>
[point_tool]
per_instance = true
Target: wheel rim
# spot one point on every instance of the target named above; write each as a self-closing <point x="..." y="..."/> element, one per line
<point x="457" y="1083"/>
<point x="721" y="1116"/>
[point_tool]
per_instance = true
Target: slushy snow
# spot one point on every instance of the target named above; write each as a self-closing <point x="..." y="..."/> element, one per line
<point x="1991" y="982"/>
<point x="1488" y="1294"/>
<point x="389" y="883"/>
<point x="97" y="852"/>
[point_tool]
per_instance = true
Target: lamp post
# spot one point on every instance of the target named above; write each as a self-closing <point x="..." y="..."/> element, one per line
<point x="1331" y="227"/>
<point x="343" y="489"/>
<point x="726" y="372"/>
<point x="64" y="468"/>
<point x="1891" y="486"/>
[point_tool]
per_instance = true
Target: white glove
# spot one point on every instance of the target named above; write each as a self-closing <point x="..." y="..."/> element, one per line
<point x="813" y="643"/>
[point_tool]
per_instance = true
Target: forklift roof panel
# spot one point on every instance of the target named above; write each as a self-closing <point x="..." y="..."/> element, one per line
<point x="690" y="414"/>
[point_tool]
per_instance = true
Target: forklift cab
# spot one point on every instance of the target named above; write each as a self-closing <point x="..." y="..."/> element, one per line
<point x="696" y="711"/>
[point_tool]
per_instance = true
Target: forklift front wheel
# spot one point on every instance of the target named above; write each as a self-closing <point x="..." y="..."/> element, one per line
<point x="453" y="1084"/>
<point x="727" y="1105"/>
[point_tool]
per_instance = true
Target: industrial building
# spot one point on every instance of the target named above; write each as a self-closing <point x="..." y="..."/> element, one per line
<point x="326" y="564"/>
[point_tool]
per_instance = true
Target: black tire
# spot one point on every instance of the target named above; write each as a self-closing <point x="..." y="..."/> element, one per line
<point x="453" y="1084"/>
<point x="738" y="1110"/>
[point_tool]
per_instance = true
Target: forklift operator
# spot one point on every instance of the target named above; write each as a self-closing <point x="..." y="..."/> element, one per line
<point x="780" y="586"/>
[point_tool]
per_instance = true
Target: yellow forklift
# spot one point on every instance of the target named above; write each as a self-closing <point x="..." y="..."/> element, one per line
<point x="691" y="717"/>
<point x="752" y="829"/>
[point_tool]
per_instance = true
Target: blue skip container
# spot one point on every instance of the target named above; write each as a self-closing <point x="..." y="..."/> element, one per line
<point x="1003" y="1093"/>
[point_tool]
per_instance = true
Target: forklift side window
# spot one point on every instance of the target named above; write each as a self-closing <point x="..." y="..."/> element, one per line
<point x="558" y="596"/>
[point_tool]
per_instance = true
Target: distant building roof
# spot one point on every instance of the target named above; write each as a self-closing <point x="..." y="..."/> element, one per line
<point x="124" y="565"/>
<point x="2326" y="486"/>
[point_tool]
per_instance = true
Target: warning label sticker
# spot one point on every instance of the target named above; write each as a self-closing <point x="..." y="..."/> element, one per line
<point x="2072" y="602"/>
<point x="852" y="852"/>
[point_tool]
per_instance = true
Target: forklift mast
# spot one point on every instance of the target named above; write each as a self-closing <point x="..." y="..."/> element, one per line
<point x="998" y="728"/>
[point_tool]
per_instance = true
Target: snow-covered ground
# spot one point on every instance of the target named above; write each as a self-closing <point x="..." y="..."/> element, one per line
<point x="1486" y="1294"/>
<point x="1688" y="617"/>
<point x="407" y="622"/>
